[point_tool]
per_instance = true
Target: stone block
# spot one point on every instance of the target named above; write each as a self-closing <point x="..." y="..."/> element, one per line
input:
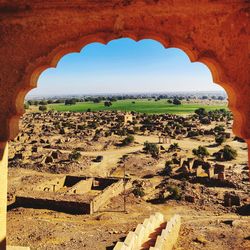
<point x="147" y="225"/>
<point x="154" y="222"/>
<point x="140" y="233"/>
<point x="160" y="242"/>
<point x="120" y="246"/>
<point x="159" y="217"/>
<point x="130" y="240"/>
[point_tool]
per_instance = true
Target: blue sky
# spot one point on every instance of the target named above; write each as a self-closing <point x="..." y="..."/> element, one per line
<point x="125" y="66"/>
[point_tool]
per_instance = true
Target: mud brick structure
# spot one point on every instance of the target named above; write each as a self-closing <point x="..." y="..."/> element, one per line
<point x="35" y="35"/>
<point x="72" y="194"/>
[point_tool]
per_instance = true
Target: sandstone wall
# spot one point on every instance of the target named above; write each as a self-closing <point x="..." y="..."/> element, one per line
<point x="3" y="192"/>
<point x="105" y="196"/>
<point x="51" y="186"/>
<point x="72" y="207"/>
<point x="81" y="187"/>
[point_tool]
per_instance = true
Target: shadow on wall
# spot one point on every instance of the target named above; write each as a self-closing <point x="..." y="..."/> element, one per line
<point x="3" y="244"/>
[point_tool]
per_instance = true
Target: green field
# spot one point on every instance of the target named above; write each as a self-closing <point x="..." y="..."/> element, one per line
<point x="143" y="106"/>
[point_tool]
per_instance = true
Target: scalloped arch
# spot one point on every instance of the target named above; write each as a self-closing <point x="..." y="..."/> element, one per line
<point x="34" y="70"/>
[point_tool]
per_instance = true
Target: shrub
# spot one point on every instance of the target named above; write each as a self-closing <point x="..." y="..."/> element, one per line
<point x="175" y="192"/>
<point x="192" y="133"/>
<point x="229" y="153"/>
<point x="176" y="101"/>
<point x="200" y="112"/>
<point x="151" y="148"/>
<point x="219" y="128"/>
<point x="107" y="104"/>
<point x="43" y="108"/>
<point x="168" y="169"/>
<point x="138" y="191"/>
<point x="220" y="139"/>
<point x="26" y="105"/>
<point x="128" y="140"/>
<point x="201" y="152"/>
<point x="173" y="147"/>
<point x="75" y="155"/>
<point x="205" y="120"/>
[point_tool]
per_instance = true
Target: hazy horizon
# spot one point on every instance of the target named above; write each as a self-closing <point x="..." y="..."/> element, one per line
<point x="125" y="66"/>
<point x="177" y="93"/>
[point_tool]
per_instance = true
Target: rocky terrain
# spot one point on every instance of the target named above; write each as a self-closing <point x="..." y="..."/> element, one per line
<point x="190" y="165"/>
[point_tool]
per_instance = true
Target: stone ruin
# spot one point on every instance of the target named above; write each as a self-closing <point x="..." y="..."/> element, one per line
<point x="72" y="194"/>
<point x="164" y="139"/>
<point x="201" y="168"/>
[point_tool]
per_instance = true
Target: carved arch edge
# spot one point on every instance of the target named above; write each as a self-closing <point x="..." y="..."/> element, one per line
<point x="34" y="70"/>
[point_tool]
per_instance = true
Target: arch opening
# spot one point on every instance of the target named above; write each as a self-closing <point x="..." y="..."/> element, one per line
<point x="34" y="70"/>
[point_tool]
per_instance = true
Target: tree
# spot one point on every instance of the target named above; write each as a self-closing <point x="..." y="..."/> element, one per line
<point x="151" y="148"/>
<point x="169" y="101"/>
<point x="26" y="105"/>
<point x="97" y="100"/>
<point x="200" y="112"/>
<point x="43" y="102"/>
<point x="107" y="104"/>
<point x="112" y="99"/>
<point x="30" y="102"/>
<point x="70" y="101"/>
<point x="43" y="108"/>
<point x="128" y="140"/>
<point x="176" y="101"/>
<point x="201" y="152"/>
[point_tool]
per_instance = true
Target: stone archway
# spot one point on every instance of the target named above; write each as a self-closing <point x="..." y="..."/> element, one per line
<point x="35" y="35"/>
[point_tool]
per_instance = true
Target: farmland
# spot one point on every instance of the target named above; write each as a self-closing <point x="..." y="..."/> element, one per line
<point x="142" y="106"/>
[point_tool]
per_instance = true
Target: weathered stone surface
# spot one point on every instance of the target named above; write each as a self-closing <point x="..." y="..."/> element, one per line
<point x="3" y="193"/>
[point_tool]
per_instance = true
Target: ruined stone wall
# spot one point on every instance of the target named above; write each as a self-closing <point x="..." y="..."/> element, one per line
<point x="81" y="187"/>
<point x="51" y="186"/>
<point x="109" y="192"/>
<point x="73" y="207"/>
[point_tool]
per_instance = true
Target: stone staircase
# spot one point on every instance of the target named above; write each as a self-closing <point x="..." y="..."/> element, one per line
<point x="153" y="234"/>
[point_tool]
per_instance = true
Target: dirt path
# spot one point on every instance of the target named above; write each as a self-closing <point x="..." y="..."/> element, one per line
<point x="110" y="160"/>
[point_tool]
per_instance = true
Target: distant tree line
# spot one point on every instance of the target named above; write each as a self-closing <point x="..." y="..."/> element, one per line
<point x="175" y="99"/>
